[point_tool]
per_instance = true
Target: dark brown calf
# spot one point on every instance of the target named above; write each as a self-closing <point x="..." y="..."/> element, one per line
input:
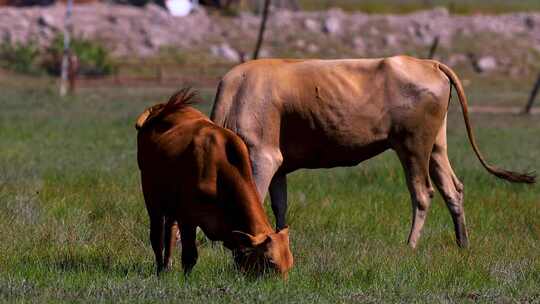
<point x="197" y="174"/>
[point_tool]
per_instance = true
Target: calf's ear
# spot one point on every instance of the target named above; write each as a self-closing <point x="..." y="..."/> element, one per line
<point x="141" y="119"/>
<point x="283" y="231"/>
<point x="247" y="240"/>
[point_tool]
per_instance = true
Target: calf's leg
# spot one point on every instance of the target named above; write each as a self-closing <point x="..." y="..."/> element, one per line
<point x="449" y="186"/>
<point x="171" y="238"/>
<point x="156" y="239"/>
<point x="278" y="196"/>
<point x="188" y="235"/>
<point x="154" y="205"/>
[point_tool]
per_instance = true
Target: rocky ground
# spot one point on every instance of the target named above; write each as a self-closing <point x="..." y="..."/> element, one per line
<point x="509" y="43"/>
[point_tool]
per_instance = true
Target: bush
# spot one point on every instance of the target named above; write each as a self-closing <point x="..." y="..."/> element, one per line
<point x="27" y="58"/>
<point x="21" y="58"/>
<point x="94" y="59"/>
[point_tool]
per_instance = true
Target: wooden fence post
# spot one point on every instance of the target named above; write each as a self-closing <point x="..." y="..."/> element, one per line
<point x="73" y="71"/>
<point x="67" y="52"/>
<point x="262" y="29"/>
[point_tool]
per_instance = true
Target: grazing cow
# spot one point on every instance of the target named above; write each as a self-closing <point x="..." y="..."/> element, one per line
<point x="197" y="174"/>
<point x="296" y="114"/>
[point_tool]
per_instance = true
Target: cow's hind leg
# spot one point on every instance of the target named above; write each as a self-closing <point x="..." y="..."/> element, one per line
<point x="278" y="196"/>
<point x="188" y="234"/>
<point x="449" y="186"/>
<point x="415" y="161"/>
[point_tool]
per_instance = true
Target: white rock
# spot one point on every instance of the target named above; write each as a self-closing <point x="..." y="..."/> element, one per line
<point x="332" y="25"/>
<point x="456" y="59"/>
<point x="486" y="64"/>
<point x="46" y="20"/>
<point x="391" y="40"/>
<point x="312" y="48"/>
<point x="264" y="53"/>
<point x="373" y="31"/>
<point x="157" y="12"/>
<point x="225" y="51"/>
<point x="312" y="25"/>
<point x="359" y="44"/>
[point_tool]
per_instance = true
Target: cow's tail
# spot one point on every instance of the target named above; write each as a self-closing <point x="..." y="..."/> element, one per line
<point x="220" y="109"/>
<point x="515" y="177"/>
<point x="229" y="100"/>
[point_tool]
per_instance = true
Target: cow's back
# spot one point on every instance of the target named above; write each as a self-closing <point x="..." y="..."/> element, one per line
<point x="184" y="153"/>
<point x="326" y="113"/>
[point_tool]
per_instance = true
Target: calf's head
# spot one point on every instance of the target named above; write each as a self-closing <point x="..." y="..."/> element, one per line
<point x="263" y="252"/>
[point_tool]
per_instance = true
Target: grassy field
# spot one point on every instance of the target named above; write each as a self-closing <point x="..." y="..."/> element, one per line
<point x="74" y="228"/>
<point x="407" y="6"/>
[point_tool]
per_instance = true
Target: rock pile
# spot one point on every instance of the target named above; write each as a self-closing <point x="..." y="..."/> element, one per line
<point x="124" y="29"/>
<point x="143" y="31"/>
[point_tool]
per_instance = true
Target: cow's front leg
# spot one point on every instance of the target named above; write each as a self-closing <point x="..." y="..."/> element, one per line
<point x="188" y="235"/>
<point x="278" y="196"/>
<point x="265" y="163"/>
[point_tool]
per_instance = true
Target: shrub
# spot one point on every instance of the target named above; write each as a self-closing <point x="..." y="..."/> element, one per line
<point x="94" y="59"/>
<point x="19" y="57"/>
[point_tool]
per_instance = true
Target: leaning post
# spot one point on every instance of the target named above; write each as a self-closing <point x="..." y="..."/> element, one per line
<point x="433" y="47"/>
<point x="67" y="52"/>
<point x="532" y="97"/>
<point x="262" y="29"/>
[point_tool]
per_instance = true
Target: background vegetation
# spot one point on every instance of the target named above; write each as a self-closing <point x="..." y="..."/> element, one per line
<point x="407" y="6"/>
<point x="74" y="227"/>
<point x="94" y="58"/>
<point x="29" y="58"/>
<point x="20" y="57"/>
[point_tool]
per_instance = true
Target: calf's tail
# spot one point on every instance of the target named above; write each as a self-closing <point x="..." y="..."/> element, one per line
<point x="511" y="176"/>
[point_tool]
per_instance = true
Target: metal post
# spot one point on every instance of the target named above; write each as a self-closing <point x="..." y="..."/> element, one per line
<point x="65" y="58"/>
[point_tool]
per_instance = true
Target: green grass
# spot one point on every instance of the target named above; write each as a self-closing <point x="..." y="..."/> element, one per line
<point x="406" y="6"/>
<point x="74" y="227"/>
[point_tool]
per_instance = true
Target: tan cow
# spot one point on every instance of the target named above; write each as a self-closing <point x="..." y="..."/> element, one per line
<point x="198" y="175"/>
<point x="296" y="114"/>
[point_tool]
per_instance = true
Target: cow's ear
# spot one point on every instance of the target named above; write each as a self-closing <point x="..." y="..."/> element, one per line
<point x="247" y="240"/>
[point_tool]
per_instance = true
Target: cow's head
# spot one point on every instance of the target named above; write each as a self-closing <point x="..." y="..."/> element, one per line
<point x="263" y="252"/>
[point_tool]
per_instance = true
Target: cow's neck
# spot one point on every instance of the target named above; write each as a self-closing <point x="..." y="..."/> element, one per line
<point x="249" y="215"/>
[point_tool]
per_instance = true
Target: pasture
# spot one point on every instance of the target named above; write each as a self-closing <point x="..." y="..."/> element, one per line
<point x="73" y="226"/>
